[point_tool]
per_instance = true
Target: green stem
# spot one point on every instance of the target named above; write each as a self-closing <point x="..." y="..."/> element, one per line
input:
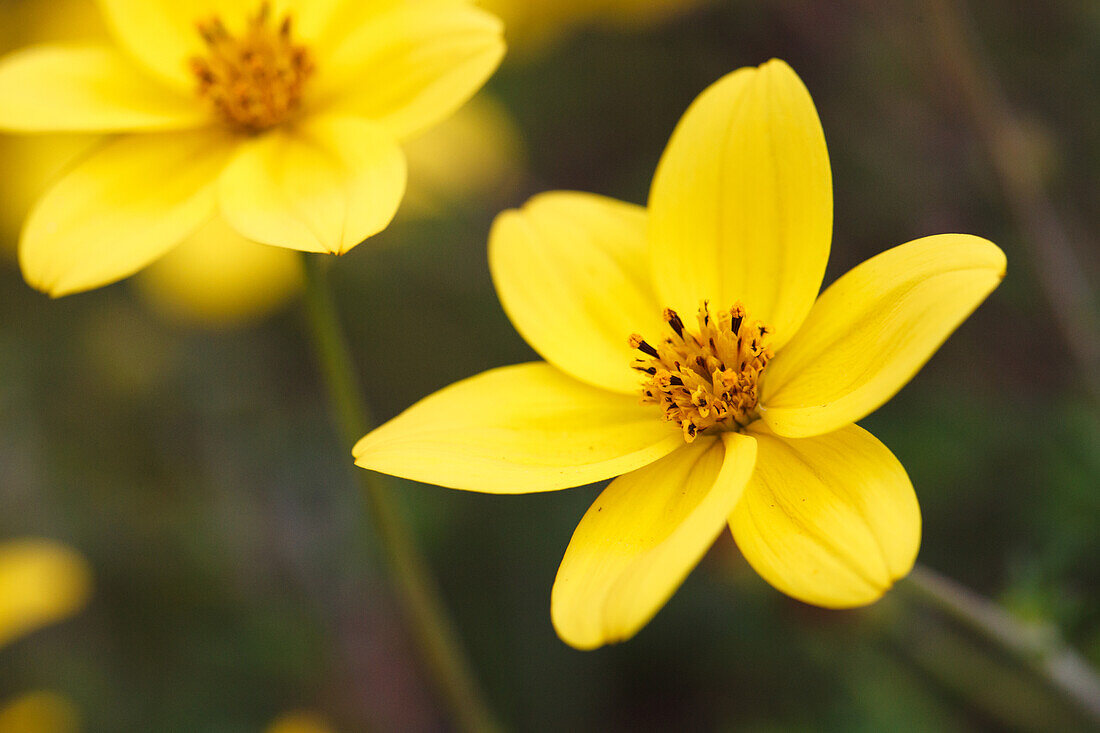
<point x="433" y="630"/>
<point x="1039" y="647"/>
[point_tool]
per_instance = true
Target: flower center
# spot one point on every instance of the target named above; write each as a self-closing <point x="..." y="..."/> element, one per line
<point x="254" y="80"/>
<point x="705" y="380"/>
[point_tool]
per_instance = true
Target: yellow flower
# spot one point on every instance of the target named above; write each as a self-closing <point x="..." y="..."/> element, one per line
<point x="746" y="415"/>
<point x="283" y="118"/>
<point x="40" y="582"/>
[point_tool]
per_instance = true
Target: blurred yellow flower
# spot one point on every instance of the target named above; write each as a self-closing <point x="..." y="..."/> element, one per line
<point x="282" y="117"/>
<point x="215" y="277"/>
<point x="746" y="417"/>
<point x="40" y="582"/>
<point x="39" y="712"/>
<point x="300" y="722"/>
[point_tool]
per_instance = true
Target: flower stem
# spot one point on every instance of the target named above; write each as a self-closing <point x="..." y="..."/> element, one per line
<point x="1039" y="646"/>
<point x="433" y="630"/>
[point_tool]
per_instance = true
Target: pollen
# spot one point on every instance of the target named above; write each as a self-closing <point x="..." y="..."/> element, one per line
<point x="705" y="380"/>
<point x="254" y="80"/>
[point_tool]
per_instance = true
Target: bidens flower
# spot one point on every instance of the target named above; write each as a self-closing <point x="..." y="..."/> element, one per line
<point x="747" y="409"/>
<point x="283" y="117"/>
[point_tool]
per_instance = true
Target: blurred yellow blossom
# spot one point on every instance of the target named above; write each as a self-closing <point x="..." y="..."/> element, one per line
<point x="39" y="712"/>
<point x="300" y="721"/>
<point x="284" y="118"/>
<point x="41" y="582"/>
<point x="216" y="277"/>
<point x="474" y="154"/>
<point x="747" y="412"/>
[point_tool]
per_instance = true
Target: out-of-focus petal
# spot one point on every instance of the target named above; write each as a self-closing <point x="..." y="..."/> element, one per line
<point x="41" y="582"/>
<point x="39" y="712"/>
<point x="88" y="89"/>
<point x="300" y="721"/>
<point x="163" y="34"/>
<point x="323" y="185"/>
<point x="217" y="278"/>
<point x="475" y="154"/>
<point x="412" y="65"/>
<point x="116" y="211"/>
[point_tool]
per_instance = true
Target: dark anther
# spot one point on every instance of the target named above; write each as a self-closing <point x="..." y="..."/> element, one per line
<point x="735" y="324"/>
<point x="648" y="370"/>
<point x="676" y="381"/>
<point x="674" y="320"/>
<point x="639" y="343"/>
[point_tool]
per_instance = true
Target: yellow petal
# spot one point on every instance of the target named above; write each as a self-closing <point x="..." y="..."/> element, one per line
<point x="642" y="537"/>
<point x="39" y="712"/>
<point x="121" y="208"/>
<point x="830" y="520"/>
<point x="571" y="273"/>
<point x="741" y="207"/>
<point x="41" y="582"/>
<point x="322" y="186"/>
<point x="216" y="277"/>
<point x="87" y="89"/>
<point x="518" y="429"/>
<point x="163" y="34"/>
<point x="412" y="66"/>
<point x="873" y="329"/>
<point x="33" y="163"/>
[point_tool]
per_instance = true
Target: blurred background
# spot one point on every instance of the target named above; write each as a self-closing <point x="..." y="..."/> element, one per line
<point x="171" y="429"/>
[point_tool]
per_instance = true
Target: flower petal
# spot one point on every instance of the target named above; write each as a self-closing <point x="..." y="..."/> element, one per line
<point x="518" y="429"/>
<point x="216" y="277"/>
<point x="741" y="207"/>
<point x="121" y="208"/>
<point x="41" y="582"/>
<point x="163" y="34"/>
<point x="642" y="537"/>
<point x="413" y="65"/>
<point x="322" y="186"/>
<point x="830" y="520"/>
<point x="571" y="273"/>
<point x="874" y="328"/>
<point x="87" y="89"/>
